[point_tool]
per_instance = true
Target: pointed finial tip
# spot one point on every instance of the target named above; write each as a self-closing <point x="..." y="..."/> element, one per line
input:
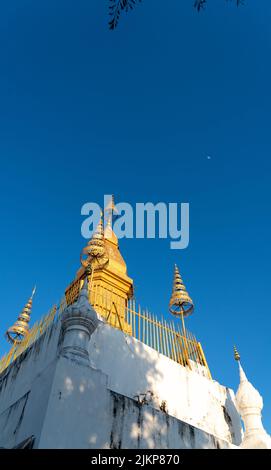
<point x="236" y="354"/>
<point x="33" y="292"/>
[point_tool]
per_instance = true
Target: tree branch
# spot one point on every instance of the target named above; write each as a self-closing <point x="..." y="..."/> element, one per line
<point x="117" y="6"/>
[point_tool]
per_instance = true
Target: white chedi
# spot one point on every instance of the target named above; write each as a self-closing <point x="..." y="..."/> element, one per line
<point x="250" y="404"/>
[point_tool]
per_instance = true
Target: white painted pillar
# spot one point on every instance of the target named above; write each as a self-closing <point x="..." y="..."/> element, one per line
<point x="79" y="320"/>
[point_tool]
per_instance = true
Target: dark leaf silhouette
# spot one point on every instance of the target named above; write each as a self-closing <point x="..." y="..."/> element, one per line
<point x="117" y="6"/>
<point x="199" y="4"/>
<point x="115" y="9"/>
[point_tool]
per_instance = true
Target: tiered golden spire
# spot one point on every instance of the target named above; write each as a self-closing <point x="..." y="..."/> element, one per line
<point x="95" y="249"/>
<point x="102" y="261"/>
<point x="20" y="329"/>
<point x="180" y="303"/>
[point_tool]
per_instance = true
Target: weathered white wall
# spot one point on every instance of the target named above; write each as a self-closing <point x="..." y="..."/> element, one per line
<point x="95" y="417"/>
<point x="25" y="387"/>
<point x="65" y="404"/>
<point x="134" y="368"/>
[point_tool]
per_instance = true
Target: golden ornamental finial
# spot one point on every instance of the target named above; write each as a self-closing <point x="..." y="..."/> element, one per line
<point x="110" y="210"/>
<point x="180" y="302"/>
<point x="236" y="354"/>
<point x="20" y="329"/>
<point x="33" y="292"/>
<point x="95" y="249"/>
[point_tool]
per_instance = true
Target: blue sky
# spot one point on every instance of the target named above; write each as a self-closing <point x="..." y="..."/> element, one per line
<point x="85" y="111"/>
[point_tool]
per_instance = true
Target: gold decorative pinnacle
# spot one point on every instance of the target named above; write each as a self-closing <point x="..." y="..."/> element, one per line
<point x="20" y="329"/>
<point x="109" y="233"/>
<point x="180" y="301"/>
<point x="95" y="251"/>
<point x="236" y="354"/>
<point x="111" y="208"/>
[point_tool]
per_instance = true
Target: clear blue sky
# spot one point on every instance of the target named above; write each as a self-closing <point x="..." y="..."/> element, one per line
<point x="85" y="111"/>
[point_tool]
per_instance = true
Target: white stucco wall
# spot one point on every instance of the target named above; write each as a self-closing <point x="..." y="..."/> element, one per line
<point x="134" y="368"/>
<point x="25" y="387"/>
<point x="65" y="404"/>
<point x="95" y="417"/>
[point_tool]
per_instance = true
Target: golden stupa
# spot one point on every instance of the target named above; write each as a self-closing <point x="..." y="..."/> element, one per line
<point x="110" y="288"/>
<point x="111" y="293"/>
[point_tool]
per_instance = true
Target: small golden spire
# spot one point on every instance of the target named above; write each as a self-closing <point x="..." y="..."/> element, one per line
<point x="236" y="354"/>
<point x="95" y="246"/>
<point x="20" y="329"/>
<point x="180" y="302"/>
<point x="95" y="249"/>
<point x="111" y="208"/>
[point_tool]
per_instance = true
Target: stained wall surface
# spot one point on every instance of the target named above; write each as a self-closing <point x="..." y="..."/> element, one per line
<point x="129" y="396"/>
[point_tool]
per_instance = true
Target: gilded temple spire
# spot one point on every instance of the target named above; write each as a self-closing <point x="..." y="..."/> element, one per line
<point x="110" y="211"/>
<point x="110" y="287"/>
<point x="99" y="232"/>
<point x="20" y="329"/>
<point x="180" y="303"/>
<point x="95" y="251"/>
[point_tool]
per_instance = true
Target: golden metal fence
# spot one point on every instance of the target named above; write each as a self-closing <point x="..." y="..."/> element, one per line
<point x="165" y="336"/>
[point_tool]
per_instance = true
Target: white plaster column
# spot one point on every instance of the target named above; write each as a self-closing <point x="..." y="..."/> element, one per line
<point x="79" y="320"/>
<point x="250" y="405"/>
